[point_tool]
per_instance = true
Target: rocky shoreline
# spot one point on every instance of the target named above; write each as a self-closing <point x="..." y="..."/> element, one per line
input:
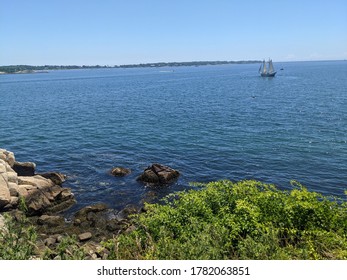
<point x="41" y="199"/>
<point x="42" y="193"/>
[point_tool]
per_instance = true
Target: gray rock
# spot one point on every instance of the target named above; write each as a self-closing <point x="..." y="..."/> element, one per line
<point x="48" y="199"/>
<point x="50" y="220"/>
<point x="50" y="241"/>
<point x="37" y="181"/>
<point x="85" y="236"/>
<point x="42" y="193"/>
<point x="7" y="157"/>
<point x="127" y="211"/>
<point x="13" y="188"/>
<point x="5" y="196"/>
<point x="24" y="168"/>
<point x="92" y="216"/>
<point x="55" y="177"/>
<point x="82" y="214"/>
<point x="14" y="202"/>
<point x="3" y="168"/>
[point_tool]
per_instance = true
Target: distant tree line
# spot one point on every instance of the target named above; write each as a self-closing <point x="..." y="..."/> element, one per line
<point x="192" y="63"/>
<point x="29" y="68"/>
<point x="11" y="69"/>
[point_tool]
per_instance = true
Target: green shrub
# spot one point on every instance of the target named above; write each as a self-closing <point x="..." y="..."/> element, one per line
<point x="67" y="249"/>
<point x="17" y="241"/>
<point x="243" y="220"/>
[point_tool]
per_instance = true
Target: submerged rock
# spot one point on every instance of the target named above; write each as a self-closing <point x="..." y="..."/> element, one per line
<point x="159" y="174"/>
<point x="120" y="171"/>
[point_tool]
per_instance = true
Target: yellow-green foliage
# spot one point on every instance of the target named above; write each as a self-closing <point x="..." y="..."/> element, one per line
<point x="243" y="220"/>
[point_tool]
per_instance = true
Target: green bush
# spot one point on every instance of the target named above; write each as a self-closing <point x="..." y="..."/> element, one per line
<point x="243" y="220"/>
<point x="17" y="241"/>
<point x="67" y="249"/>
<point x="222" y="220"/>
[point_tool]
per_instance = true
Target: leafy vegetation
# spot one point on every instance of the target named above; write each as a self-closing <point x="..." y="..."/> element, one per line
<point x="67" y="249"/>
<point x="243" y="220"/>
<point x="17" y="241"/>
<point x="221" y="220"/>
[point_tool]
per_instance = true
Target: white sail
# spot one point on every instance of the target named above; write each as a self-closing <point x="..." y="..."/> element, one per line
<point x="267" y="69"/>
<point x="271" y="67"/>
<point x="264" y="67"/>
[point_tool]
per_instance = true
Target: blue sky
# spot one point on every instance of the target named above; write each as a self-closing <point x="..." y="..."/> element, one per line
<point x="113" y="32"/>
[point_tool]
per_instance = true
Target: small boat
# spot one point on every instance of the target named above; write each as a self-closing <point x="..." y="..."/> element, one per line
<point x="267" y="71"/>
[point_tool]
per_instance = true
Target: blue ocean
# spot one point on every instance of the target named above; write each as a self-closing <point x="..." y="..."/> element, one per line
<point x="208" y="122"/>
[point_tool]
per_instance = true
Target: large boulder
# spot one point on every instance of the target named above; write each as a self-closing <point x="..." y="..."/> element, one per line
<point x="42" y="193"/>
<point x="55" y="177"/>
<point x="48" y="199"/>
<point x="24" y="168"/>
<point x="45" y="195"/>
<point x="6" y="175"/>
<point x="36" y="181"/>
<point x="7" y="157"/>
<point x="5" y="196"/>
<point x="92" y="215"/>
<point x="158" y="174"/>
<point x="83" y="213"/>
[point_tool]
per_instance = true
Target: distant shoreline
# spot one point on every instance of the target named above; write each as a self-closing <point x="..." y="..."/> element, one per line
<point x="29" y="69"/>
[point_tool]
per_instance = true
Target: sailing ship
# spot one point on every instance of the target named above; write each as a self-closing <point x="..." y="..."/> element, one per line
<point x="266" y="69"/>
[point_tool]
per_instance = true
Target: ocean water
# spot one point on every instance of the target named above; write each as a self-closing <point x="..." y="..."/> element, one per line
<point x="209" y="122"/>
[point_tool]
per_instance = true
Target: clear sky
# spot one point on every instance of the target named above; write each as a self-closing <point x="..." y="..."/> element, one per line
<point x="113" y="32"/>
